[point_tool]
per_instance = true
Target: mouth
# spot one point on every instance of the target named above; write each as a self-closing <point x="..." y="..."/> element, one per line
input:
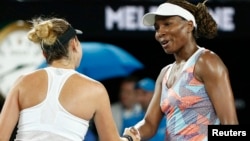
<point x="164" y="43"/>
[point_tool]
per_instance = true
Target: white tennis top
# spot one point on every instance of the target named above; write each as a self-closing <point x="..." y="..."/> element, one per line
<point x="49" y="120"/>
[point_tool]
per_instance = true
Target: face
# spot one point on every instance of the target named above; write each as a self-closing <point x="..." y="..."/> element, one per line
<point x="172" y="32"/>
<point x="144" y="98"/>
<point x="127" y="94"/>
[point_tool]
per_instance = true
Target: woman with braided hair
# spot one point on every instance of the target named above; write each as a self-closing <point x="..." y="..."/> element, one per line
<point x="194" y="91"/>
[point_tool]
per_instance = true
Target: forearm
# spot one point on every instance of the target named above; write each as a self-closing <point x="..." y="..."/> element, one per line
<point x="146" y="130"/>
<point x="5" y="133"/>
<point x="7" y="126"/>
<point x="4" y="138"/>
<point x="232" y="121"/>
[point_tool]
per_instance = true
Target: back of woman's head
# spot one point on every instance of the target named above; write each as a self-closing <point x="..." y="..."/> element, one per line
<point x="206" y="25"/>
<point x="47" y="32"/>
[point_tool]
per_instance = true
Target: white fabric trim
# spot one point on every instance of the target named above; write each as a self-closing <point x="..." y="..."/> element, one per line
<point x="168" y="9"/>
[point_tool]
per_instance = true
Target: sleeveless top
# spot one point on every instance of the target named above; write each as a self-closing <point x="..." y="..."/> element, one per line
<point x="187" y="105"/>
<point x="49" y="120"/>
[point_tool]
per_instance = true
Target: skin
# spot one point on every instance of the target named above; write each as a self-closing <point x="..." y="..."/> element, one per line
<point x="176" y="37"/>
<point x="80" y="96"/>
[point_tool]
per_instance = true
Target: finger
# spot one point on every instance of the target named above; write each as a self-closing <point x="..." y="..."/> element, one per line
<point x="128" y="131"/>
<point x="133" y="130"/>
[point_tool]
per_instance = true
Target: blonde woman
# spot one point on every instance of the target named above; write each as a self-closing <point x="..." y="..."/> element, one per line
<point x="56" y="103"/>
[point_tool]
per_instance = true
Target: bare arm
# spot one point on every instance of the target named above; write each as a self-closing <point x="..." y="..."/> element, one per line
<point x="211" y="70"/>
<point x="10" y="113"/>
<point x="104" y="122"/>
<point x="149" y="125"/>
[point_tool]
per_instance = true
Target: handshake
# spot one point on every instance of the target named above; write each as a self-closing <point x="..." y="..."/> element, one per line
<point x="132" y="134"/>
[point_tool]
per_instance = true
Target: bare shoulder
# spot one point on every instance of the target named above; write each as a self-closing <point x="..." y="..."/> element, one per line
<point x="32" y="77"/>
<point x="164" y="70"/>
<point x="209" y="64"/>
<point x="162" y="74"/>
<point x="208" y="56"/>
<point x="91" y="90"/>
<point x="89" y="81"/>
<point x="210" y="59"/>
<point x="88" y="84"/>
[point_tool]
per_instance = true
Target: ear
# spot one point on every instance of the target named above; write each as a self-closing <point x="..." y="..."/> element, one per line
<point x="190" y="26"/>
<point x="73" y="44"/>
<point x="44" y="55"/>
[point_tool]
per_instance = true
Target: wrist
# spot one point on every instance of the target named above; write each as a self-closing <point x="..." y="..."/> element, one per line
<point x="128" y="137"/>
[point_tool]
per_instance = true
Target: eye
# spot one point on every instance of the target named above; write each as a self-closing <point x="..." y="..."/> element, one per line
<point x="164" y="24"/>
<point x="156" y="27"/>
<point x="167" y="23"/>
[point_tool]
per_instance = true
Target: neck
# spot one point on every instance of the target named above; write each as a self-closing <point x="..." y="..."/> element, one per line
<point x="185" y="54"/>
<point x="65" y="64"/>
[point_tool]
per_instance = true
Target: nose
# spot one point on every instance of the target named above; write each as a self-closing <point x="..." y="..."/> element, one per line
<point x="160" y="32"/>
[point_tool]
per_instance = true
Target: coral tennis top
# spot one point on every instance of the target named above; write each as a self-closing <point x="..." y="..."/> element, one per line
<point x="187" y="105"/>
<point x="49" y="120"/>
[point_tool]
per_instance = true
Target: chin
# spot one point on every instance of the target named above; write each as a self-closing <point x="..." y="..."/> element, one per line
<point x="168" y="52"/>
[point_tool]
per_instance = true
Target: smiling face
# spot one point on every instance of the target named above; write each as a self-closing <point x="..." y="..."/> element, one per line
<point x="172" y="32"/>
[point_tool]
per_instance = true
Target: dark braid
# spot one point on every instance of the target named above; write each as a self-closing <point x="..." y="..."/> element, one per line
<point x="206" y="25"/>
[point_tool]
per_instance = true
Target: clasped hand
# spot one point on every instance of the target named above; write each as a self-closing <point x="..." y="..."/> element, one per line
<point x="133" y="132"/>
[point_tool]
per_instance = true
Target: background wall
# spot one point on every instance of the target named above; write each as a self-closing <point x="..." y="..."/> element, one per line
<point x="124" y="30"/>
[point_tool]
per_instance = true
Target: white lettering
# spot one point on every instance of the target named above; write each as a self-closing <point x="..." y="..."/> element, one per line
<point x="125" y="18"/>
<point x="113" y="17"/>
<point x="244" y="133"/>
<point x="224" y="18"/>
<point x="215" y="132"/>
<point x="129" y="18"/>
